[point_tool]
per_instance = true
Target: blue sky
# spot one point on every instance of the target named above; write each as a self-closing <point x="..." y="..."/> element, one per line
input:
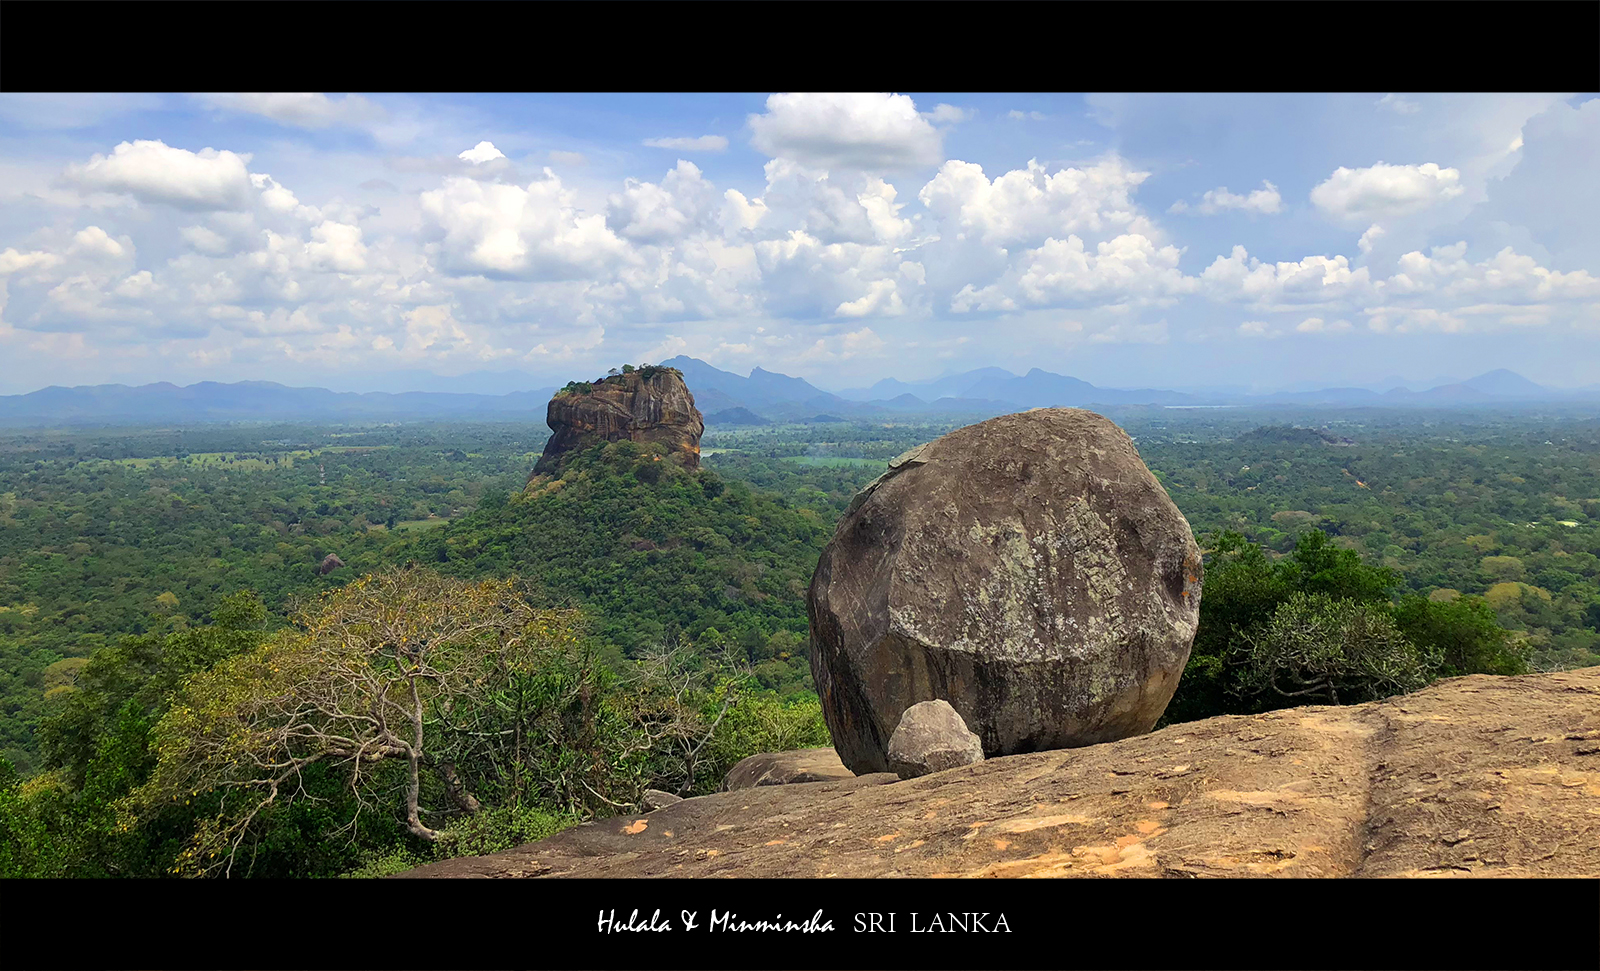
<point x="1253" y="241"/>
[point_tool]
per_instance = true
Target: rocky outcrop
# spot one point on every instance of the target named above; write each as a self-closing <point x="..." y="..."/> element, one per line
<point x="931" y="738"/>
<point x="330" y="563"/>
<point x="650" y="405"/>
<point x="1476" y="776"/>
<point x="784" y="768"/>
<point x="1027" y="569"/>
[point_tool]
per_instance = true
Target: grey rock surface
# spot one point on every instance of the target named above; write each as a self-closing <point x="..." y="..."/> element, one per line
<point x="1029" y="570"/>
<point x="784" y="768"/>
<point x="932" y="737"/>
<point x="656" y="799"/>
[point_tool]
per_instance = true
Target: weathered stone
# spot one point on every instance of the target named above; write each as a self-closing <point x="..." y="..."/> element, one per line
<point x="1480" y="776"/>
<point x="1027" y="569"/>
<point x="329" y="564"/>
<point x="932" y="737"/>
<point x="783" y="768"/>
<point x="656" y="799"/>
<point x="625" y="407"/>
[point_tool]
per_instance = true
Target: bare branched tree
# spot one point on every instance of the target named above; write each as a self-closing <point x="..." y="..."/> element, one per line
<point x="396" y="667"/>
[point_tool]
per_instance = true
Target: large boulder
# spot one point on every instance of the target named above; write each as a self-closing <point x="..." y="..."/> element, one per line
<point x="931" y="738"/>
<point x="1029" y="570"/>
<point x="784" y="768"/>
<point x="650" y="405"/>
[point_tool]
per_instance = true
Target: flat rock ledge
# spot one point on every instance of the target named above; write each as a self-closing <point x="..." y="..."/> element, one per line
<point x="1475" y="776"/>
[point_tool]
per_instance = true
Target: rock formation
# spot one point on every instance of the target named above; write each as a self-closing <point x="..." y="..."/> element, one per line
<point x="1475" y="776"/>
<point x="931" y="738"/>
<point x="784" y="768"/>
<point x="330" y="563"/>
<point x="651" y="404"/>
<point x="1027" y="569"/>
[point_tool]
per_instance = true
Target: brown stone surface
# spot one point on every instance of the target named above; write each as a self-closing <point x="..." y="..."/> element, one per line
<point x="1028" y="569"/>
<point x="1476" y="776"/>
<point x="786" y="768"/>
<point x="629" y="407"/>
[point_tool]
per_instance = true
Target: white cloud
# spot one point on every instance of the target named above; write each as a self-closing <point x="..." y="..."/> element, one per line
<point x="705" y="143"/>
<point x="1397" y="105"/>
<point x="567" y="158"/>
<point x="481" y="153"/>
<point x="1258" y="328"/>
<point x="1385" y="191"/>
<point x="1016" y="115"/>
<point x="1263" y="200"/>
<point x="650" y="213"/>
<point x="525" y="233"/>
<point x="94" y="243"/>
<point x="1029" y="205"/>
<point x="1065" y="272"/>
<point x="1369" y="238"/>
<point x="152" y="171"/>
<point x="1316" y="325"/>
<point x="865" y="131"/>
<point x="12" y="261"/>
<point x="943" y="114"/>
<point x="1311" y="281"/>
<point x="338" y="247"/>
<point x="301" y="110"/>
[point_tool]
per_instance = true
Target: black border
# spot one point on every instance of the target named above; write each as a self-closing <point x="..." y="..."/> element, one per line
<point x="1317" y="45"/>
<point x="633" y="45"/>
<point x="1192" y="925"/>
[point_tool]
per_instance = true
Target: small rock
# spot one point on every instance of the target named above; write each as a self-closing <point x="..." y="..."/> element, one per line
<point x="330" y="563"/>
<point x="656" y="799"/>
<point x="932" y="737"/>
<point x="784" y="768"/>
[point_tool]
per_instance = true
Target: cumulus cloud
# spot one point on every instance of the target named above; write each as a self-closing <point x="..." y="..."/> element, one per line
<point x="514" y="232"/>
<point x="301" y="110"/>
<point x="1028" y="205"/>
<point x="154" y="172"/>
<point x="651" y="213"/>
<point x="337" y="247"/>
<point x="863" y="131"/>
<point x="1369" y="238"/>
<point x="481" y="153"/>
<point x="1316" y="325"/>
<point x="1016" y="115"/>
<point x="1310" y="281"/>
<point x="704" y="143"/>
<point x="1385" y="191"/>
<point x="1066" y="273"/>
<point x="1263" y="200"/>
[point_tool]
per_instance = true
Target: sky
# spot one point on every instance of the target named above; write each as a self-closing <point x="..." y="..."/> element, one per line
<point x="1190" y="241"/>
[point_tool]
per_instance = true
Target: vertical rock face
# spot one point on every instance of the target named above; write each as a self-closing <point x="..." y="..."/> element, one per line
<point x="1029" y="570"/>
<point x="649" y="405"/>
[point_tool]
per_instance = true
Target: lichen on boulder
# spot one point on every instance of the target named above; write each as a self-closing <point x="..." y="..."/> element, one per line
<point x="1029" y="570"/>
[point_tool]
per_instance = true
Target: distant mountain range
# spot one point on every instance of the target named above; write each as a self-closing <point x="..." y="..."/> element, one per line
<point x="725" y="397"/>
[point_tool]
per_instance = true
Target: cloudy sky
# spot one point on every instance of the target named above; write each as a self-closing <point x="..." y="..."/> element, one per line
<point x="1189" y="241"/>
